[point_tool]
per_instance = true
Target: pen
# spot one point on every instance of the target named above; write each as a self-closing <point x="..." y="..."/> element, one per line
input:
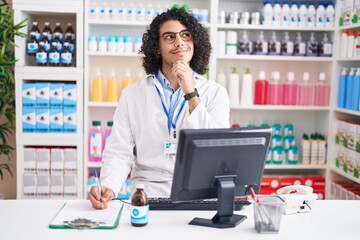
<point x="97" y="183"/>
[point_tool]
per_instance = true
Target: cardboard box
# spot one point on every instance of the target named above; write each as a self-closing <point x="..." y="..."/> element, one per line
<point x="28" y="95"/>
<point x="28" y="119"/>
<point x="69" y="95"/>
<point x="42" y="94"/>
<point x="56" y="120"/>
<point x="29" y="185"/>
<point x="43" y="186"/>
<point x="346" y="12"/>
<point x="70" y="120"/>
<point x="43" y="120"/>
<point x="56" y="95"/>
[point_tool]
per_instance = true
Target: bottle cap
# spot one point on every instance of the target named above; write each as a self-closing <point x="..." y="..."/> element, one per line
<point x="110" y="123"/>
<point x="139" y="185"/>
<point x="322" y="76"/>
<point x="275" y="76"/>
<point x="96" y="123"/>
<point x="306" y="76"/>
<point x="262" y="75"/>
<point x="290" y="76"/>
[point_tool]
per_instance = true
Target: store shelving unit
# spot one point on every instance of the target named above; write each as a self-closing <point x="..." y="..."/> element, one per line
<point x="25" y="71"/>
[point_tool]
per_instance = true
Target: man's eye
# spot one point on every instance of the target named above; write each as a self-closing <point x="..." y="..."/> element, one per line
<point x="169" y="37"/>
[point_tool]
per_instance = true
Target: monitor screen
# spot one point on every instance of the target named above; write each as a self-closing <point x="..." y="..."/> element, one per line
<point x="219" y="163"/>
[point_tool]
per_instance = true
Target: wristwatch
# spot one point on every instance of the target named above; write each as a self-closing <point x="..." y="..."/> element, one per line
<point x="191" y="95"/>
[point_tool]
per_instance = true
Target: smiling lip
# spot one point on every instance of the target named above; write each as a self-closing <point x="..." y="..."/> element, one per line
<point x="177" y="51"/>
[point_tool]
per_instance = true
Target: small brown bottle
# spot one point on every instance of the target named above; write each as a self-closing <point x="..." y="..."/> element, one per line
<point x="139" y="207"/>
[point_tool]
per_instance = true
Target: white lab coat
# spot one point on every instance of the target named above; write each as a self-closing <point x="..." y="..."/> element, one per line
<point x="140" y="121"/>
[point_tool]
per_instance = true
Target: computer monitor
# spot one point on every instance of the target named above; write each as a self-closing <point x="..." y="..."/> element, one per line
<point x="219" y="163"/>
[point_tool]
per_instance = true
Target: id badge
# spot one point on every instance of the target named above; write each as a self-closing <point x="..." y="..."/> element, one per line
<point x="170" y="148"/>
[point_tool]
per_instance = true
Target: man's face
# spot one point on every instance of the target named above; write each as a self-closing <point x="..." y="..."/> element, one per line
<point x="175" y="46"/>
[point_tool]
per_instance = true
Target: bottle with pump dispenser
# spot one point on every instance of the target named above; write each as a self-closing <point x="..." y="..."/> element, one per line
<point x="311" y="20"/>
<point x="299" y="46"/>
<point x="221" y="78"/>
<point x="342" y="88"/>
<point x="97" y="87"/>
<point x="294" y="14"/>
<point x="349" y="85"/>
<point x="356" y="91"/>
<point x="312" y="46"/>
<point x="303" y="14"/>
<point x="285" y="14"/>
<point x="306" y="91"/>
<point x="261" y="45"/>
<point x="234" y="88"/>
<point x="244" y="44"/>
<point x="322" y="91"/>
<point x="287" y="45"/>
<point x="276" y="90"/>
<point x="247" y="91"/>
<point x="290" y="90"/>
<point x="325" y="47"/>
<point x="261" y="89"/>
<point x="274" y="45"/>
<point x="112" y="87"/>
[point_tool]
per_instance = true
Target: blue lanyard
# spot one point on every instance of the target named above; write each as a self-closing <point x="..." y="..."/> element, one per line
<point x="173" y="124"/>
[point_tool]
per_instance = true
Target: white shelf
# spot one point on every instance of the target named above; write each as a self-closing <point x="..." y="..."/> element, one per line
<point x="350" y="112"/>
<point x="280" y="107"/>
<point x="118" y="22"/>
<point x="344" y="174"/>
<point x="274" y="28"/>
<point x="353" y="59"/>
<point x="102" y="104"/>
<point x="295" y="167"/>
<point x="276" y="58"/>
<point x="114" y="54"/>
<point x="49" y="139"/>
<point x="351" y="26"/>
<point x="92" y="164"/>
<point x="64" y="71"/>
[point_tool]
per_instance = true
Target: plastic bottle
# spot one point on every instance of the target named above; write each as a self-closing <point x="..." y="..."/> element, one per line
<point x="288" y="129"/>
<point x="138" y="44"/>
<point x="306" y="91"/>
<point x="93" y="10"/>
<point x="322" y="150"/>
<point x="221" y="78"/>
<point x="349" y="85"/>
<point x="303" y="14"/>
<point x="329" y="14"/>
<point x="294" y="14"/>
<point x="312" y="48"/>
<point x="285" y="14"/>
<point x="112" y="87"/>
<point x="95" y="142"/>
<point x="356" y="92"/>
<point x="70" y="32"/>
<point x="289" y="140"/>
<point x="139" y="207"/>
<point x="149" y="13"/>
<point x="350" y="43"/>
<point x="247" y="91"/>
<point x="122" y="12"/>
<point x="35" y="29"/>
<point x="276" y="128"/>
<point x="276" y="90"/>
<point x="107" y="132"/>
<point x="276" y="140"/>
<point x="46" y="43"/>
<point x="244" y="44"/>
<point x="32" y="45"/>
<point x="299" y="46"/>
<point x="41" y="55"/>
<point x="343" y="44"/>
<point x="120" y="44"/>
<point x="131" y="13"/>
<point x="305" y="149"/>
<point x="112" y="44"/>
<point x="274" y="45"/>
<point x="127" y="79"/>
<point x="290" y="90"/>
<point x="322" y="91"/>
<point x="234" y="88"/>
<point x="292" y="155"/>
<point x="56" y="39"/>
<point x="128" y="44"/>
<point x="70" y="44"/>
<point x="92" y="43"/>
<point x="48" y="31"/>
<point x="261" y="45"/>
<point x="54" y="56"/>
<point x="278" y="155"/>
<point x="97" y="87"/>
<point x="267" y="13"/>
<point x="102" y="44"/>
<point x="287" y="45"/>
<point x="59" y="31"/>
<point x="261" y="89"/>
<point x="66" y="56"/>
<point x="140" y="12"/>
<point x="311" y="19"/>
<point x="103" y="11"/>
<point x="325" y="47"/>
<point x="320" y="15"/>
<point x="342" y="88"/>
<point x="276" y="14"/>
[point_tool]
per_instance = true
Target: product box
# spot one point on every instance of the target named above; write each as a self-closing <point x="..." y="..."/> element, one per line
<point x="269" y="185"/>
<point x="357" y="165"/>
<point x="70" y="185"/>
<point x="356" y="11"/>
<point x="57" y="186"/>
<point x="56" y="95"/>
<point x="69" y="95"/>
<point x="320" y="193"/>
<point x="316" y="182"/>
<point x="340" y="132"/>
<point x="349" y="162"/>
<point x="350" y="135"/>
<point x="346" y="12"/>
<point x="29" y="163"/>
<point x="70" y="120"/>
<point x="42" y="120"/>
<point x="43" y="185"/>
<point x="357" y="142"/>
<point x="28" y="95"/>
<point x="43" y="160"/>
<point x="28" y="119"/>
<point x="291" y="180"/>
<point x="341" y="157"/>
<point x="56" y="120"/>
<point x="70" y="160"/>
<point x="332" y="190"/>
<point x="29" y="185"/>
<point x="57" y="158"/>
<point x="42" y="94"/>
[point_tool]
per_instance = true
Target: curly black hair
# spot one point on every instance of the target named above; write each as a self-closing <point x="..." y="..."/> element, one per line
<point x="202" y="47"/>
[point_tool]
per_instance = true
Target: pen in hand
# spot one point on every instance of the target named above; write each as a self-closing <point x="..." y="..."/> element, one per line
<point x="98" y="185"/>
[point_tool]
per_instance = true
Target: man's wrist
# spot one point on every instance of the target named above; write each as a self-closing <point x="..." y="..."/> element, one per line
<point x="191" y="95"/>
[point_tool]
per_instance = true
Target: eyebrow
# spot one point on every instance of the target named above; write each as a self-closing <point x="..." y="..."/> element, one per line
<point x="175" y="32"/>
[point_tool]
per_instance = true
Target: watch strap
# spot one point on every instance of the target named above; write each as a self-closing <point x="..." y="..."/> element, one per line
<point x="191" y="95"/>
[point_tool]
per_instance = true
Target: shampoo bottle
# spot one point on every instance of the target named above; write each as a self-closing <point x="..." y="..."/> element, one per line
<point x="234" y="88"/>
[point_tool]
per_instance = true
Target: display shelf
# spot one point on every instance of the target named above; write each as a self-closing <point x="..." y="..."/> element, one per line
<point x="49" y="139"/>
<point x="346" y="111"/>
<point x="113" y="54"/>
<point x="344" y="174"/>
<point x="102" y="104"/>
<point x="275" y="58"/>
<point x="347" y="59"/>
<point x="66" y="73"/>
<point x="94" y="164"/>
<point x="280" y="107"/>
<point x="294" y="167"/>
<point x="351" y="26"/>
<point x="274" y="28"/>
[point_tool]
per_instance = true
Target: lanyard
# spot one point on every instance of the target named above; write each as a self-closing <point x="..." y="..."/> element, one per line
<point x="173" y="124"/>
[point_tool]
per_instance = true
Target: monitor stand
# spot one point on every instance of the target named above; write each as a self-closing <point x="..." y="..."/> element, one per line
<point x="224" y="217"/>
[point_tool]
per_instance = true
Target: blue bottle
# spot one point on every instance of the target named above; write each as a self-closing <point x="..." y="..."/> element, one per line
<point x="349" y="85"/>
<point x="356" y="91"/>
<point x="342" y="88"/>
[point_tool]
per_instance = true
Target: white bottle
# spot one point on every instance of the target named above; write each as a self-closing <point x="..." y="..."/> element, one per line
<point x="247" y="91"/>
<point x="234" y="88"/>
<point x="102" y="44"/>
<point x="129" y="45"/>
<point x="350" y="43"/>
<point x="261" y="45"/>
<point x="267" y="13"/>
<point x="122" y="12"/>
<point x="329" y="15"/>
<point x="320" y="15"/>
<point x="104" y="11"/>
<point x="120" y="41"/>
<point x="112" y="11"/>
<point x="343" y="44"/>
<point x="299" y="46"/>
<point x="93" y="10"/>
<point x="285" y="14"/>
<point x="138" y="44"/>
<point x="287" y="45"/>
<point x="140" y="13"/>
<point x="311" y="19"/>
<point x="221" y="78"/>
<point x="131" y="13"/>
<point x="276" y="14"/>
<point x="303" y="15"/>
<point x="294" y="14"/>
<point x="92" y="43"/>
<point x="244" y="44"/>
<point x="149" y="13"/>
<point x="325" y="47"/>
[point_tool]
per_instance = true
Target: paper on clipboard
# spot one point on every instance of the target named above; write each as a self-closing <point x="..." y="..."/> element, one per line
<point x="82" y="209"/>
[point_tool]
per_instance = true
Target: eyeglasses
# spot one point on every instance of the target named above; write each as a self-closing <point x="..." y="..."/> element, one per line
<point x="169" y="37"/>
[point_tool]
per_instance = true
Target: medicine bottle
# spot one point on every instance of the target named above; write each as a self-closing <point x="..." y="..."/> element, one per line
<point x="139" y="207"/>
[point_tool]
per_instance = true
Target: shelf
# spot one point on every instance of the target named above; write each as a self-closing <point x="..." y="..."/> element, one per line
<point x="49" y="139"/>
<point x="65" y="71"/>
<point x="276" y="28"/>
<point x="344" y="174"/>
<point x="102" y="104"/>
<point x="294" y="167"/>
<point x="353" y="59"/>
<point x="351" y="26"/>
<point x="126" y="23"/>
<point x="93" y="164"/>
<point x="280" y="107"/>
<point x="350" y="112"/>
<point x="114" y="54"/>
<point x="275" y="58"/>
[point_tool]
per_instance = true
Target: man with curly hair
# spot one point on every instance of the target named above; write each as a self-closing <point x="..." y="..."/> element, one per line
<point x="152" y="111"/>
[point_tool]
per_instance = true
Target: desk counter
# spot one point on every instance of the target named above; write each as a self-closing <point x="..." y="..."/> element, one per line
<point x="29" y="219"/>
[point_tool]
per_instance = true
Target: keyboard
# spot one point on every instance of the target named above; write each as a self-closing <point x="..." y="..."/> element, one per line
<point x="197" y="205"/>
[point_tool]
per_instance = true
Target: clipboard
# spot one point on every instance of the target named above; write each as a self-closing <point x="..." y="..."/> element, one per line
<point x="79" y="214"/>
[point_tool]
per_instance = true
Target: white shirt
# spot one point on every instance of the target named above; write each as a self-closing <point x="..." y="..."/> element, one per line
<point x="140" y="121"/>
